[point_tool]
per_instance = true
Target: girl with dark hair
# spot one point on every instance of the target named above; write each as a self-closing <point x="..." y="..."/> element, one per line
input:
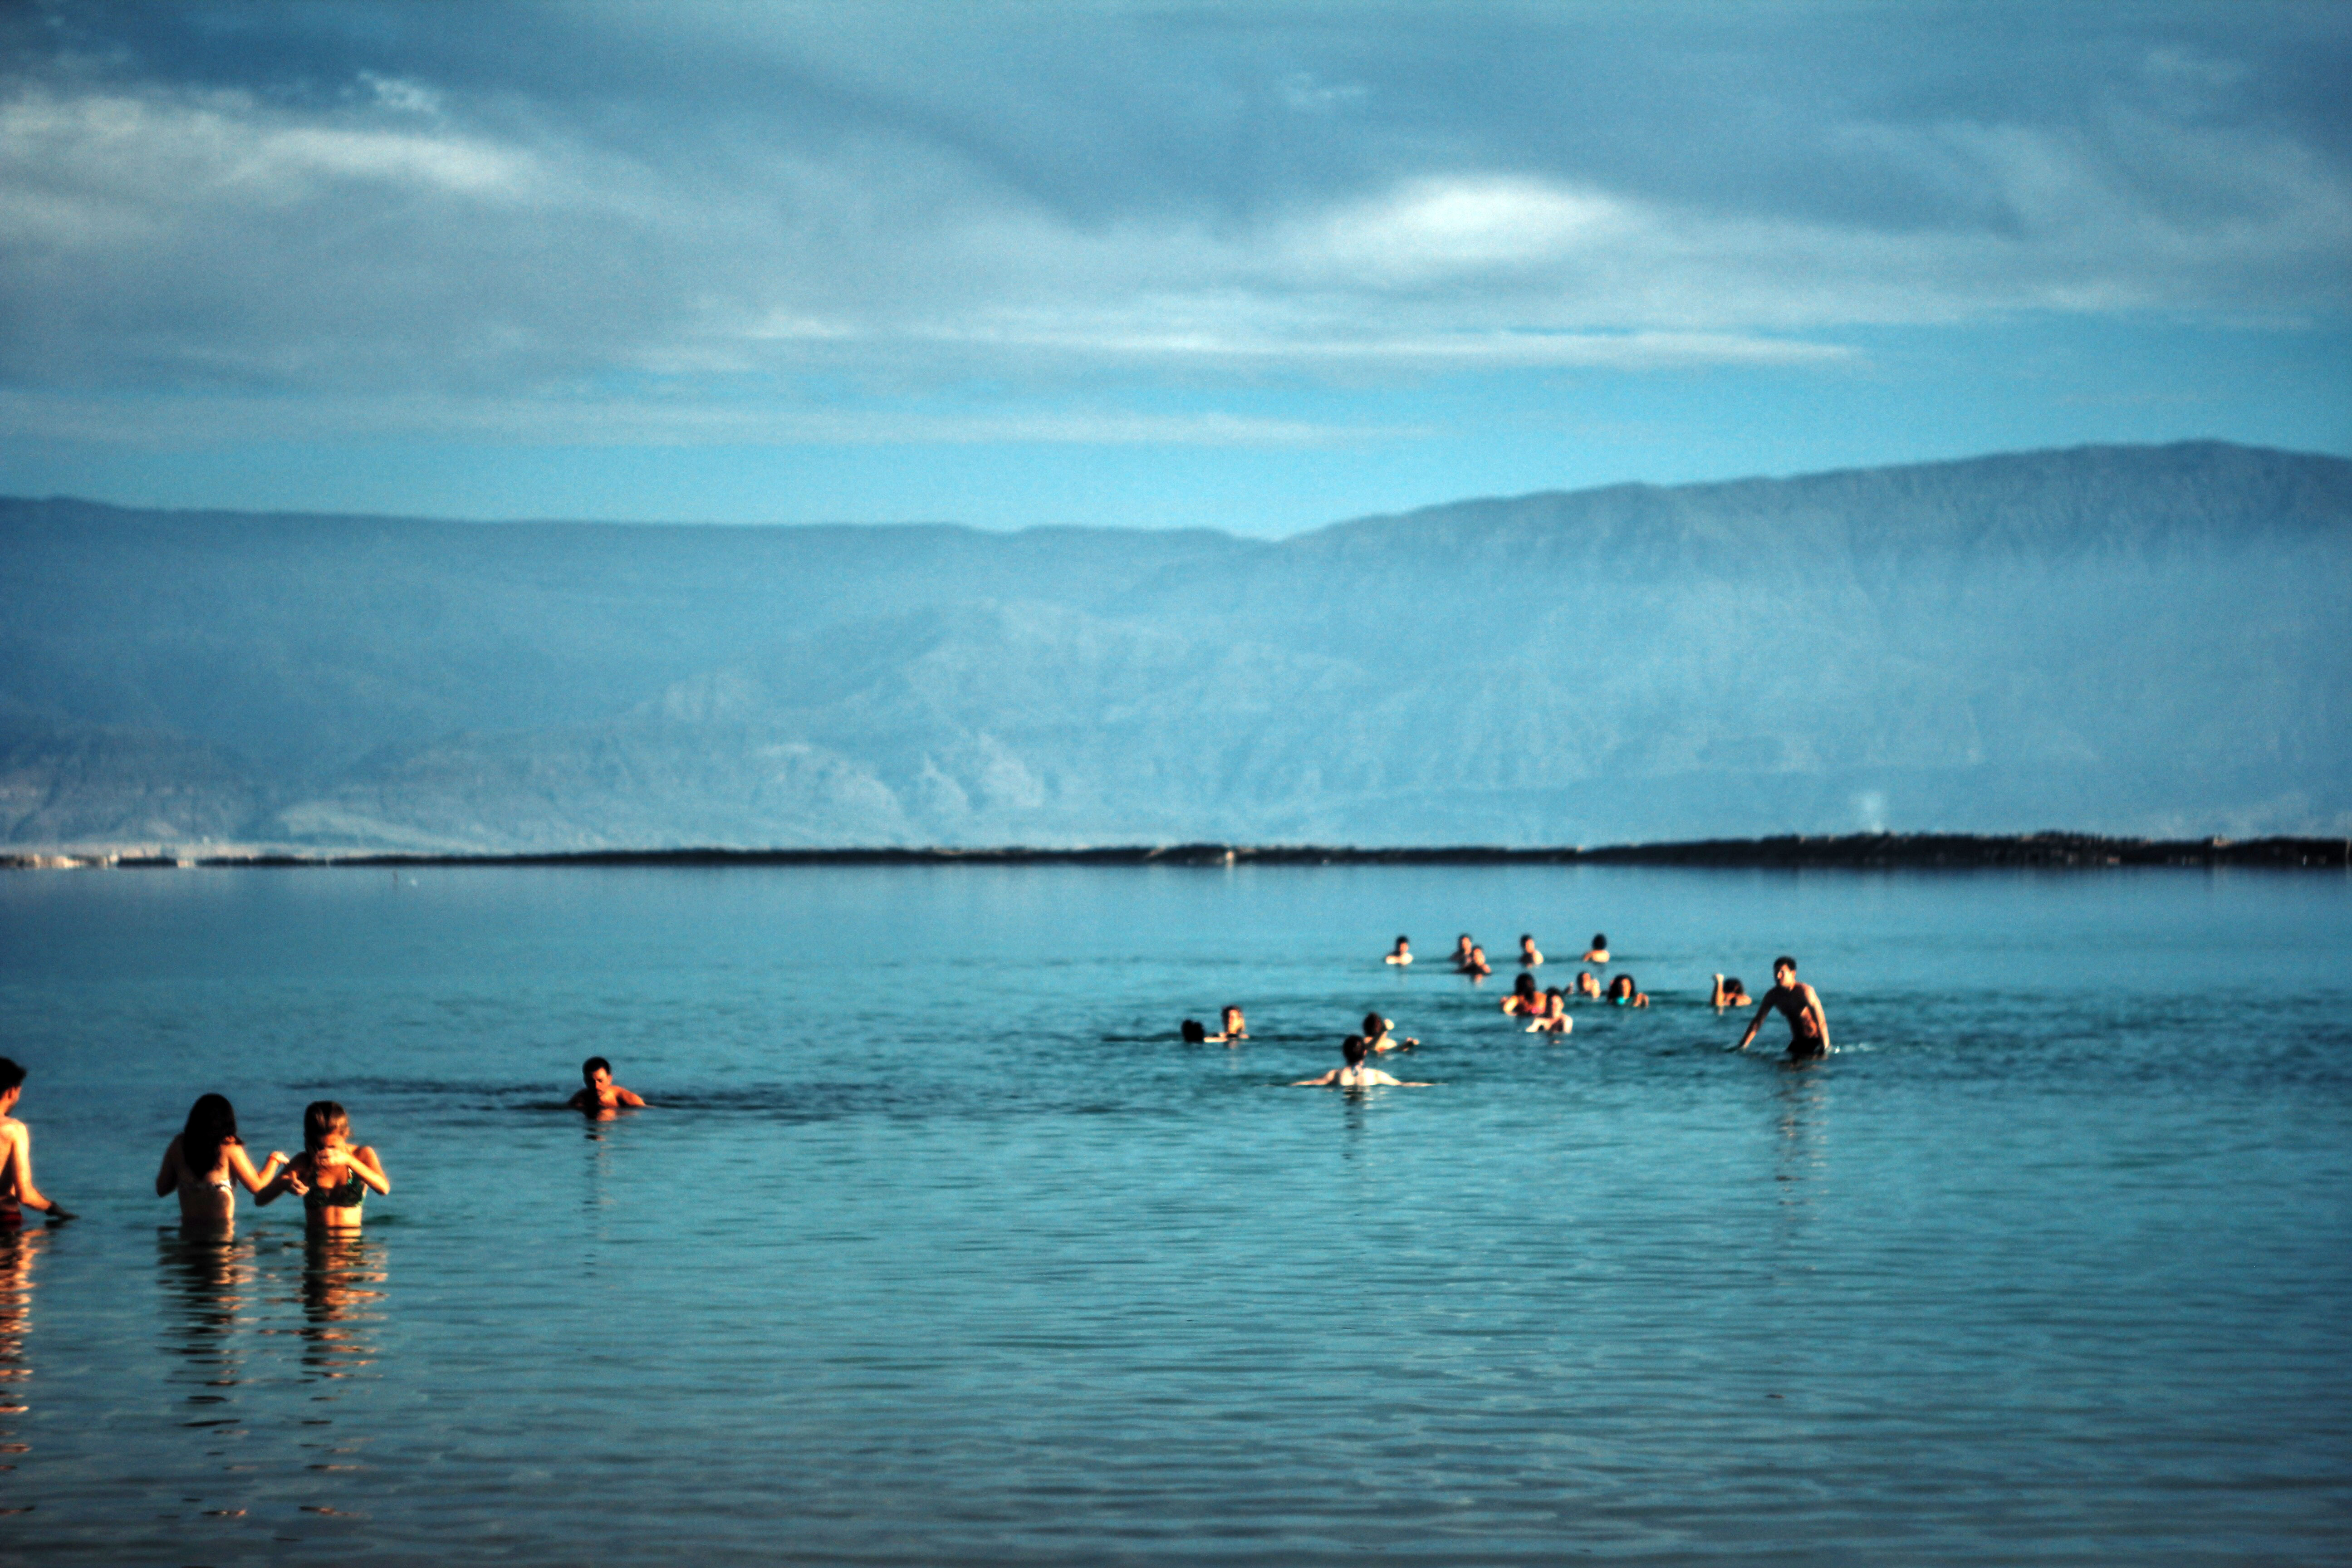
<point x="1523" y="1001"/>
<point x="1599" y="951"/>
<point x="331" y="1175"/>
<point x="1624" y="992"/>
<point x="199" y="1164"/>
<point x="1553" y="1018"/>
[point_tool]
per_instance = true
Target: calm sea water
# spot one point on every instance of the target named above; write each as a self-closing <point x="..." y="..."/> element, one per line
<point x="936" y="1246"/>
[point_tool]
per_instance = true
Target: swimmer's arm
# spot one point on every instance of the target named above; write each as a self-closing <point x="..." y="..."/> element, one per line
<point x="20" y="1172"/>
<point x="242" y="1163"/>
<point x="1813" y="1000"/>
<point x="627" y="1096"/>
<point x="1326" y="1081"/>
<point x="286" y="1181"/>
<point x="363" y="1161"/>
<point x="1756" y="1022"/>
<point x="1378" y="1077"/>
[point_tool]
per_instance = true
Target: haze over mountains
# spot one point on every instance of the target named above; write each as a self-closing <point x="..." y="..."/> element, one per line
<point x="2129" y="640"/>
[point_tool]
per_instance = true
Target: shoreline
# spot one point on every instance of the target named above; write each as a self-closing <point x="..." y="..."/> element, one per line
<point x="1862" y="852"/>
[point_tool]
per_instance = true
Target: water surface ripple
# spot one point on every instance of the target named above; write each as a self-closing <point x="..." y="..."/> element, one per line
<point x="936" y="1245"/>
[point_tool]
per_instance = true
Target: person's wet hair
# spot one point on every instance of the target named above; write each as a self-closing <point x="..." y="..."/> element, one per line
<point x="1195" y="1033"/>
<point x="1599" y="940"/>
<point x="211" y="1122"/>
<point x="1732" y="988"/>
<point x="11" y="1075"/>
<point x="321" y="1118"/>
<point x="1525" y="985"/>
<point x="1353" y="1048"/>
<point x="1784" y="962"/>
<point x="1374" y="1025"/>
<point x="588" y="1069"/>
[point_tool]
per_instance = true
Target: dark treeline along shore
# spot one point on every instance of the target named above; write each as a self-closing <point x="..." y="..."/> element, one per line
<point x="2040" y="850"/>
<point x="2141" y="642"/>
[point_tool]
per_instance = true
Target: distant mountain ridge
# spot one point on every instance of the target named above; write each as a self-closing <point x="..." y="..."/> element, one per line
<point x="2116" y="639"/>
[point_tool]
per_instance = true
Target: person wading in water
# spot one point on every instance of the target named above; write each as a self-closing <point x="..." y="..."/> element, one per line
<point x="1809" y="1026"/>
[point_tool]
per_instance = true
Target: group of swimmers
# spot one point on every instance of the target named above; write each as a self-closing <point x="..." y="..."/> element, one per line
<point x="206" y="1161"/>
<point x="1546" y="1010"/>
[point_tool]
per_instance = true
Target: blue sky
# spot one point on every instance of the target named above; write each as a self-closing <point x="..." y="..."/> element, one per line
<point x="1254" y="267"/>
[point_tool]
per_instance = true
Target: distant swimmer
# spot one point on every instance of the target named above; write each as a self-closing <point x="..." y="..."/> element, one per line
<point x="1478" y="968"/>
<point x="204" y="1162"/>
<point x="1231" y="1029"/>
<point x="1809" y="1026"/>
<point x="1587" y="983"/>
<point x="1728" y="993"/>
<point x="1599" y="951"/>
<point x="1624" y="992"/>
<point x="1357" y="1074"/>
<point x="599" y="1092"/>
<point x="1528" y="957"/>
<point x="18" y="1192"/>
<point x="1553" y="1019"/>
<point x="1524" y="1001"/>
<point x="1377" y="1037"/>
<point x="331" y="1175"/>
<point x="1462" y="948"/>
<point x="1402" y="953"/>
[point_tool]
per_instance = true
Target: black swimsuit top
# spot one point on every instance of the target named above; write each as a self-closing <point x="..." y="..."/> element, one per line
<point x="348" y="1194"/>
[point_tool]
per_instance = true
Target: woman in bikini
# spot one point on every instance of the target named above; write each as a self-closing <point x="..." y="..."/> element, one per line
<point x="1624" y="992"/>
<point x="331" y="1175"/>
<point x="204" y="1162"/>
<point x="1809" y="1026"/>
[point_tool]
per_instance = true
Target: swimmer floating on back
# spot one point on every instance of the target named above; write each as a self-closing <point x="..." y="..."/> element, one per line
<point x="1231" y="1029"/>
<point x="1402" y="953"/>
<point x="1357" y="1074"/>
<point x="1809" y="1026"/>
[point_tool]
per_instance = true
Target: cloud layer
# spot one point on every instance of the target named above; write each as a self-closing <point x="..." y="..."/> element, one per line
<point x="627" y="223"/>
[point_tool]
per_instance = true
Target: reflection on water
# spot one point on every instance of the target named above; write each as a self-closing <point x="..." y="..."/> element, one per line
<point x="212" y="1288"/>
<point x="1801" y="1113"/>
<point x="19" y="1249"/>
<point x="339" y="1272"/>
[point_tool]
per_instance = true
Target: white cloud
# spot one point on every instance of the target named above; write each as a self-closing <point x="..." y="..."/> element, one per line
<point x="410" y="247"/>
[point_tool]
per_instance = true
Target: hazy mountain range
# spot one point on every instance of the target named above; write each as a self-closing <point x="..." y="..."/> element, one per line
<point x="2120" y="639"/>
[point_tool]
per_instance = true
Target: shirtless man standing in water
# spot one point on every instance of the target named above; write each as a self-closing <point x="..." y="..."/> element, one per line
<point x="1809" y="1026"/>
